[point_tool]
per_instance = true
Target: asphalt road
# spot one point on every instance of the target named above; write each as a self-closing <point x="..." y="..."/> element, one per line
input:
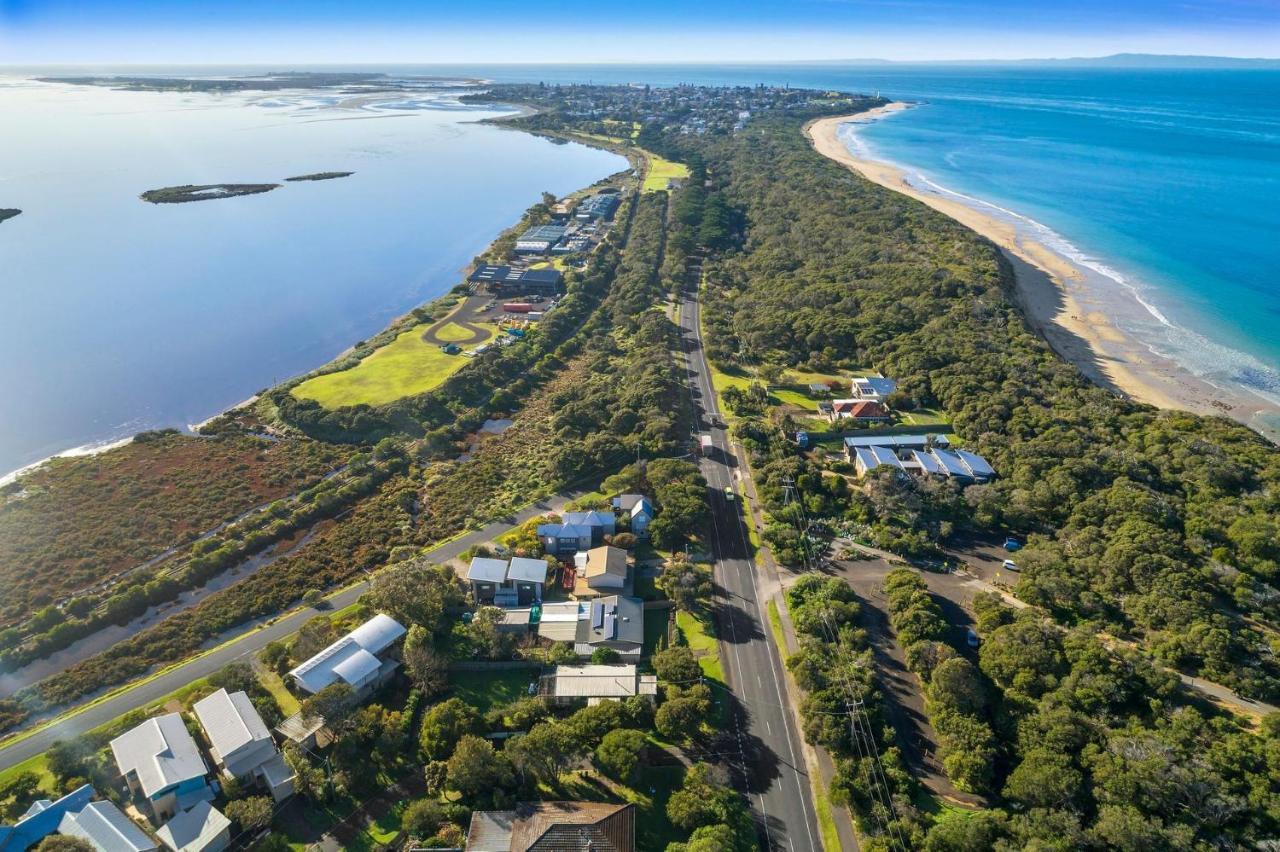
<point x="773" y="773"/>
<point x="250" y="642"/>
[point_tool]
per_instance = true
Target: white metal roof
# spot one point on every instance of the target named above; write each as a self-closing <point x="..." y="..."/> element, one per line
<point x="230" y="721"/>
<point x="977" y="464"/>
<point x="104" y="827"/>
<point x="928" y="463"/>
<point x="595" y="681"/>
<point x="160" y="752"/>
<point x="874" y="457"/>
<point x="876" y="384"/>
<point x="525" y="570"/>
<point x="486" y="570"/>
<point x="899" y="442"/>
<point x="367" y="640"/>
<point x="193" y="830"/>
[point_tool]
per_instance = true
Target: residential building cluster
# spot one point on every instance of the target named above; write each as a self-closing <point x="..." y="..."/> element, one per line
<point x="923" y="455"/>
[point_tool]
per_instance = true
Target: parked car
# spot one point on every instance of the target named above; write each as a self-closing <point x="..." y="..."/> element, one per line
<point x="971" y="638"/>
<point x="1009" y="565"/>
<point x="1011" y="544"/>
<point x="729" y="493"/>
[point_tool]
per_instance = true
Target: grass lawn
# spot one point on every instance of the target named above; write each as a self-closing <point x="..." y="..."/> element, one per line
<point x="451" y="332"/>
<point x="483" y="690"/>
<point x="36" y="765"/>
<point x="405" y="367"/>
<point x="272" y="683"/>
<point x="661" y="171"/>
<point x="775" y="626"/>
<point x="655" y="628"/>
<point x="925" y="417"/>
<point x="700" y="635"/>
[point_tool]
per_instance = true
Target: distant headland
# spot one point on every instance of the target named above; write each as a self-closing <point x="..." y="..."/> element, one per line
<point x="8" y="213"/>
<point x="206" y="192"/>
<point x="351" y="82"/>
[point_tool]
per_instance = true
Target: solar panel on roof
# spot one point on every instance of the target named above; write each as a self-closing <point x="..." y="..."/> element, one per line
<point x="611" y="626"/>
<point x="597" y="615"/>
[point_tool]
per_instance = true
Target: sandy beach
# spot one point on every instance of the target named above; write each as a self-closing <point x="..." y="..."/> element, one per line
<point x="1067" y="305"/>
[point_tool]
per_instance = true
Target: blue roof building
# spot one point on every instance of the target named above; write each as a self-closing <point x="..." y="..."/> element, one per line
<point x="42" y="819"/>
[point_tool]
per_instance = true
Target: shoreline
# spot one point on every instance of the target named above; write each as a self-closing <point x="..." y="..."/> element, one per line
<point x="1073" y="309"/>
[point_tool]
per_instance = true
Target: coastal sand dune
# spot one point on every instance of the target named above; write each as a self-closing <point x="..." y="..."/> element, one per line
<point x="1066" y="309"/>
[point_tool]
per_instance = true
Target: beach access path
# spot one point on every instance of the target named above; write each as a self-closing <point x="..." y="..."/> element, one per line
<point x="241" y="643"/>
<point x="1057" y="300"/>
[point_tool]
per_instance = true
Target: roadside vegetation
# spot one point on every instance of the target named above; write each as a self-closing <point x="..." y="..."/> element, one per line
<point x="74" y="523"/>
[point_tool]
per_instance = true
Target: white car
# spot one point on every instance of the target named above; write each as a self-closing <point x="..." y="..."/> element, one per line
<point x="730" y="494"/>
<point x="1009" y="565"/>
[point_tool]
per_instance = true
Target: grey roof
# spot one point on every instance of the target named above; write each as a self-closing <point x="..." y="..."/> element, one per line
<point x="160" y="752"/>
<point x="360" y="646"/>
<point x="484" y="569"/>
<point x="876" y="384"/>
<point x="105" y="828"/>
<point x="541" y="233"/>
<point x="604" y="520"/>
<point x="620" y="680"/>
<point x="928" y="463"/>
<point x="952" y="463"/>
<point x="193" y="830"/>
<point x="897" y="442"/>
<point x="874" y="457"/>
<point x="977" y="464"/>
<point x="625" y="502"/>
<point x="613" y="619"/>
<point x="525" y="570"/>
<point x="230" y="721"/>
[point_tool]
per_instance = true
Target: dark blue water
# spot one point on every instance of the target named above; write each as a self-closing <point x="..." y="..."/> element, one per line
<point x="117" y="315"/>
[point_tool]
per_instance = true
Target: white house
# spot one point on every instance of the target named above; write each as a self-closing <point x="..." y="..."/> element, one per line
<point x="201" y="829"/>
<point x="160" y="761"/>
<point x="105" y="828"/>
<point x="874" y="388"/>
<point x="596" y="683"/>
<point x="240" y="743"/>
<point x="362" y="659"/>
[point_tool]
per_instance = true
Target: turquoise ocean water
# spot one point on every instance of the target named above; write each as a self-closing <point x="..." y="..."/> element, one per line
<point x="117" y="315"/>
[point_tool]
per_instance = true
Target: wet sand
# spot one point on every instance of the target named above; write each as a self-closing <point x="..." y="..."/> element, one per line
<point x="1074" y="309"/>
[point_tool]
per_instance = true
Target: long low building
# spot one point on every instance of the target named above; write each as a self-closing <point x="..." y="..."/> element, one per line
<point x="960" y="465"/>
<point x="539" y="239"/>
<point x="596" y="683"/>
<point x="505" y="281"/>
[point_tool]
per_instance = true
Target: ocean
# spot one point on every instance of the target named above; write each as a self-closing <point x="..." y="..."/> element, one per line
<point x="117" y="315"/>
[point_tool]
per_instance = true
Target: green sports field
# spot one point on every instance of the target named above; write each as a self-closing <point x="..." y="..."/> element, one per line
<point x="405" y="367"/>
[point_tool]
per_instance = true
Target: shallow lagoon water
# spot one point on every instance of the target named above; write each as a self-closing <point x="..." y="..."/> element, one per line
<point x="117" y="315"/>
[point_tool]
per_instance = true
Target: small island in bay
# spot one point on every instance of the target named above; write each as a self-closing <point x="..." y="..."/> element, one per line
<point x="191" y="192"/>
<point x="320" y="176"/>
<point x="8" y="213"/>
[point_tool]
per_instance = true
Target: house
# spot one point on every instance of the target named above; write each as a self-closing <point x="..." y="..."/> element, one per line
<point x="200" y="829"/>
<point x="874" y="388"/>
<point x="558" y="621"/>
<point x="638" y="508"/>
<point x="539" y="239"/>
<point x="863" y="411"/>
<point x="615" y="622"/>
<point x="507" y="583"/>
<point x="160" y="761"/>
<point x="962" y="465"/>
<point x="601" y="206"/>
<point x="596" y="683"/>
<point x="42" y="819"/>
<point x="599" y="571"/>
<point x="867" y="459"/>
<point x="363" y="659"/>
<point x="601" y="523"/>
<point x="554" y="827"/>
<point x="897" y="443"/>
<point x="105" y="828"/>
<point x="564" y="540"/>
<point x="240" y="744"/>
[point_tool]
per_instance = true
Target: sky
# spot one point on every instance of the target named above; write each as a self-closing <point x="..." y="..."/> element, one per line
<point x="490" y="31"/>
